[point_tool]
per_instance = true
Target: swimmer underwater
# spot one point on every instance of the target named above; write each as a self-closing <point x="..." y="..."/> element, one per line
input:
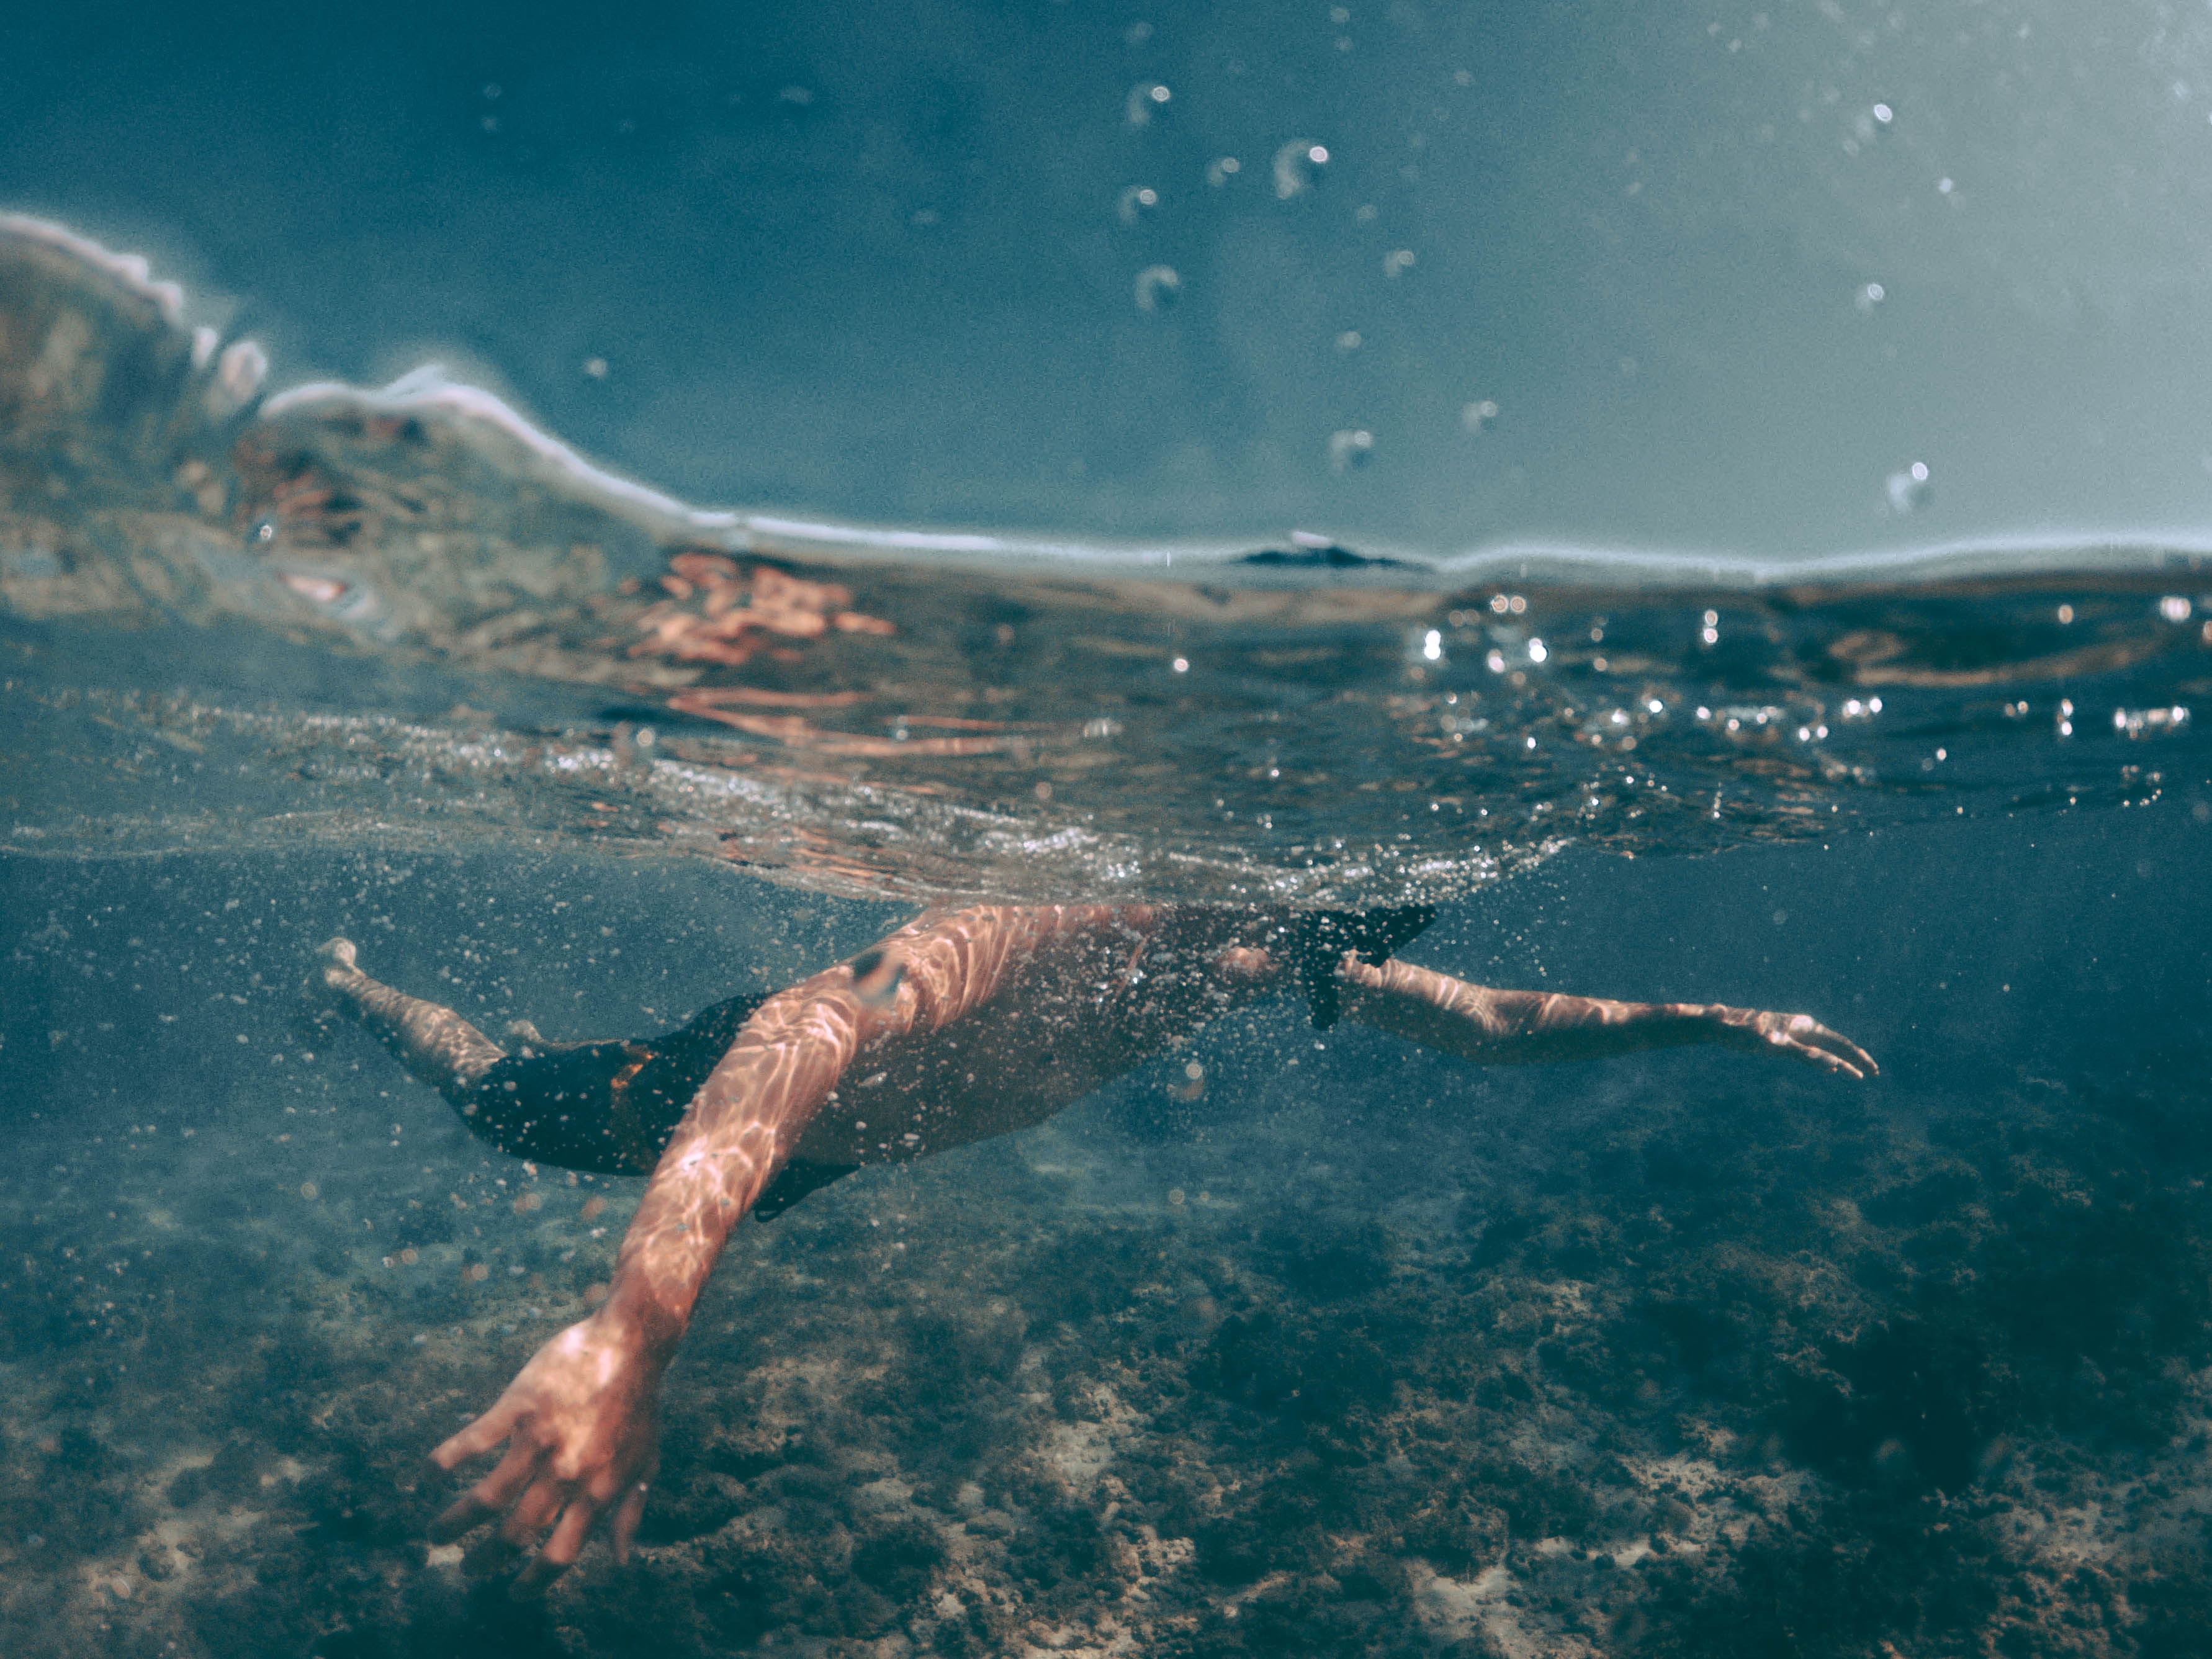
<point x="959" y="1026"/>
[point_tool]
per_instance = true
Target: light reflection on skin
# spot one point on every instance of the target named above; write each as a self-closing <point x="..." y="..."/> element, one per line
<point x="964" y="1025"/>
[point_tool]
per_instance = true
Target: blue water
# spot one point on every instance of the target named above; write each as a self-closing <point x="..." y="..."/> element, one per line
<point x="813" y="522"/>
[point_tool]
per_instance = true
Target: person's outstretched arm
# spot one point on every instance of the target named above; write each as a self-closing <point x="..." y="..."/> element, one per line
<point x="581" y="1421"/>
<point x="1525" y="1027"/>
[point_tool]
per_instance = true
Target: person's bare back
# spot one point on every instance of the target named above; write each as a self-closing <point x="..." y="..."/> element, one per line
<point x="960" y="1026"/>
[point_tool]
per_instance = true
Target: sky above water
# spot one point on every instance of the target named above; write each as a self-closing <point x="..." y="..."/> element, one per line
<point x="1709" y="278"/>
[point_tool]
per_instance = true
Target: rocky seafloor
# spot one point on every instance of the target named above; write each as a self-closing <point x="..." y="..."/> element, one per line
<point x="1336" y="1350"/>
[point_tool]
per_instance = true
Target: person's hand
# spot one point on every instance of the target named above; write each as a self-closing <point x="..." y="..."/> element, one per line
<point x="582" y="1428"/>
<point x="1799" y="1036"/>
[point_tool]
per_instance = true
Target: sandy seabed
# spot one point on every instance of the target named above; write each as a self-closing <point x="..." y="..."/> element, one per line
<point x="1362" y="1355"/>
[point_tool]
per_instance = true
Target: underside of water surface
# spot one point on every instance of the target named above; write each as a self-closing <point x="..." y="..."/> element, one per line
<point x="408" y="617"/>
<point x="1298" y="1342"/>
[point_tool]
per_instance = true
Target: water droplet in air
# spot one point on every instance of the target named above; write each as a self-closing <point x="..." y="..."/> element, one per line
<point x="1143" y="98"/>
<point x="1297" y="167"/>
<point x="1158" y="288"/>
<point x="237" y="375"/>
<point x="1137" y="203"/>
<point x="1352" y="447"/>
<point x="1908" y="490"/>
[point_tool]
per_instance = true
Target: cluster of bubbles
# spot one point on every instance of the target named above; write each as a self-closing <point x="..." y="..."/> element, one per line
<point x="1295" y="168"/>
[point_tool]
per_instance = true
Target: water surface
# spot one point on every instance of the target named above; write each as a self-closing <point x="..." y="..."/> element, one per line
<point x="1323" y="1346"/>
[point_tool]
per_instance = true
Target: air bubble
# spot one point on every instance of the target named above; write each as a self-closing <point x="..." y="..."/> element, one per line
<point x="1398" y="261"/>
<point x="1907" y="490"/>
<point x="1298" y="167"/>
<point x="1349" y="448"/>
<point x="2174" y="608"/>
<point x="1870" y="296"/>
<point x="1158" y="287"/>
<point x="1145" y="97"/>
<point x="1137" y="203"/>
<point x="1478" y="415"/>
<point x="1220" y="173"/>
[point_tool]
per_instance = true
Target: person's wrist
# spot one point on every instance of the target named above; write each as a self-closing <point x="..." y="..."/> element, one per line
<point x="645" y="1330"/>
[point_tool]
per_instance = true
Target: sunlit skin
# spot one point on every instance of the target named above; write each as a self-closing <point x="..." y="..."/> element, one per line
<point x="957" y="1027"/>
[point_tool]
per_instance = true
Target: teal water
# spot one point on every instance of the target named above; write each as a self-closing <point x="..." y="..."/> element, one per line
<point x="1331" y="1346"/>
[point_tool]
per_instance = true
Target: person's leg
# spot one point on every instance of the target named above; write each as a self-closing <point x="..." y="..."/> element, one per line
<point x="558" y="1103"/>
<point x="435" y="1044"/>
<point x="604" y="1108"/>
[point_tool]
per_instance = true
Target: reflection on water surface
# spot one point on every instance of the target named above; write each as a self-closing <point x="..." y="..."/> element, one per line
<point x="412" y="617"/>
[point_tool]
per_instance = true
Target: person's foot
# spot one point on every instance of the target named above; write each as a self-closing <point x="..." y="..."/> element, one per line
<point x="322" y="993"/>
<point x="335" y="965"/>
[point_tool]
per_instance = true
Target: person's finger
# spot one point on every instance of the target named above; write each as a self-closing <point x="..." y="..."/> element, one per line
<point x="479" y="1436"/>
<point x="1829" y="1062"/>
<point x="627" y="1518"/>
<point x="536" y="1509"/>
<point x="489" y="1495"/>
<point x="1855" y="1059"/>
<point x="1850" y="1060"/>
<point x="1858" y="1055"/>
<point x="1801" y="1039"/>
<point x="559" y="1551"/>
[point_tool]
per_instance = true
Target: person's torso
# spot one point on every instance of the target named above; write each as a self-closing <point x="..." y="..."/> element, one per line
<point x="1068" y="1009"/>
